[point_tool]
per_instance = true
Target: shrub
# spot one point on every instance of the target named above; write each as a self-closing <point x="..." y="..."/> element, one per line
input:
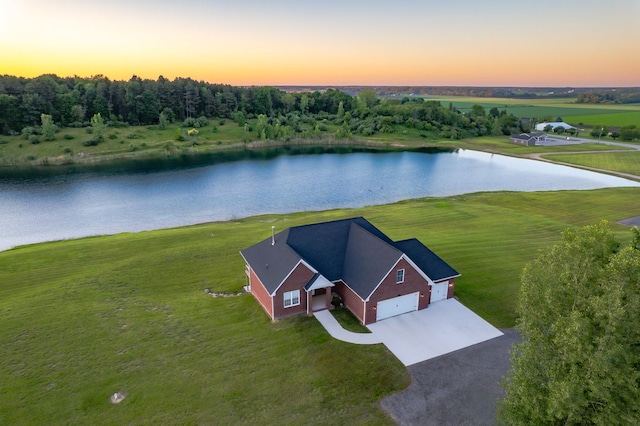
<point x="28" y="131"/>
<point x="221" y="122"/>
<point x="132" y="147"/>
<point x="189" y="122"/>
<point x="67" y="136"/>
<point x="67" y="150"/>
<point x="202" y="121"/>
<point x="90" y="142"/>
<point x="3" y="141"/>
<point x="133" y="136"/>
<point x="30" y="157"/>
<point x="34" y="139"/>
<point x="179" y="136"/>
<point x="113" y="136"/>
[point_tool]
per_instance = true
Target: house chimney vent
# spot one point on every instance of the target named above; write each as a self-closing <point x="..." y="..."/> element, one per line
<point x="273" y="235"/>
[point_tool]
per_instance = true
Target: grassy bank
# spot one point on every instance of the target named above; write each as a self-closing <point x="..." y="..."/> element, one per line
<point x="82" y="319"/>
<point x="626" y="162"/>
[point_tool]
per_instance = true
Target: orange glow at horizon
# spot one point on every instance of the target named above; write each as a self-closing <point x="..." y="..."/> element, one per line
<point x="259" y="48"/>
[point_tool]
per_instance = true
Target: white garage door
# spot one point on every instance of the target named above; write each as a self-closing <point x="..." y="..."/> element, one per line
<point x="397" y="305"/>
<point x="439" y="291"/>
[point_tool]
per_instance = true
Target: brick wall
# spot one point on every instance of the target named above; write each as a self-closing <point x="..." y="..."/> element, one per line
<point x="260" y="293"/>
<point x="351" y="300"/>
<point x="296" y="281"/>
<point x="388" y="289"/>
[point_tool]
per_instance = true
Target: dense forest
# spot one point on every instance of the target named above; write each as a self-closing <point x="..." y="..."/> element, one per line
<point x="29" y="104"/>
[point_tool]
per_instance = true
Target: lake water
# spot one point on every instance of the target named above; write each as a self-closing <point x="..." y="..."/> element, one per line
<point x="84" y="204"/>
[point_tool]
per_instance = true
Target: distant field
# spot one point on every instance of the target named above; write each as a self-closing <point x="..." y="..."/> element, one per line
<point x="607" y="119"/>
<point x="588" y="114"/>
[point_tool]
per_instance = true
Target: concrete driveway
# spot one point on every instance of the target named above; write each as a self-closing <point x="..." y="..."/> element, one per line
<point x="443" y="327"/>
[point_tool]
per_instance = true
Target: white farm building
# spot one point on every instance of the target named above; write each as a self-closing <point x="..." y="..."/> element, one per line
<point x="542" y="126"/>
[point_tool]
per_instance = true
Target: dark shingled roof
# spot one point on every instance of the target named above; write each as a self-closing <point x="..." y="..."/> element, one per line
<point x="351" y="250"/>
<point x="367" y="261"/>
<point x="429" y="262"/>
<point x="272" y="263"/>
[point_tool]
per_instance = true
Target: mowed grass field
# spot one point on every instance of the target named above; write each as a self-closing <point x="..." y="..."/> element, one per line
<point x="626" y="162"/>
<point x="586" y="115"/>
<point x="82" y="319"/>
<point x="616" y="119"/>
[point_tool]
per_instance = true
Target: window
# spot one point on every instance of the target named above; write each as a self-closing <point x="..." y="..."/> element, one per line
<point x="399" y="276"/>
<point x="291" y="298"/>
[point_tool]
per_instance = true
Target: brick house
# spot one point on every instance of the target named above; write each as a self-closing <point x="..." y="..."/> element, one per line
<point x="298" y="270"/>
<point x="528" y="139"/>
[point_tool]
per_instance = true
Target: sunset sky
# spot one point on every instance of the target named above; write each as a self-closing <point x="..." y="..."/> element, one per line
<point x="329" y="42"/>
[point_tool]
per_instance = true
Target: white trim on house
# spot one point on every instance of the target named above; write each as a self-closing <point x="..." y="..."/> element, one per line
<point x="311" y="268"/>
<point x="399" y="305"/>
<point x="293" y="295"/>
<point x="321" y="282"/>
<point x="420" y="271"/>
<point x="399" y="276"/>
<point x="383" y="277"/>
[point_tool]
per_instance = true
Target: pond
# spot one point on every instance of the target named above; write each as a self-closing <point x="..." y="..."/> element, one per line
<point x="83" y="204"/>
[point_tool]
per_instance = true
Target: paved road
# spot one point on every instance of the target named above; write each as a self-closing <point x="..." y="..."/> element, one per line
<point x="460" y="388"/>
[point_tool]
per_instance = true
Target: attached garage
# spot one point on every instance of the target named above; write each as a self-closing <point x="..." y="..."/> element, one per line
<point x="439" y="291"/>
<point x="397" y="306"/>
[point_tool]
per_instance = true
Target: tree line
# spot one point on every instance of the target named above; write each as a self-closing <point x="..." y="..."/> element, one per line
<point x="31" y="103"/>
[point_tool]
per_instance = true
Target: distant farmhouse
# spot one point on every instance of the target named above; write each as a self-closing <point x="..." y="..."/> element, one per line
<point x="543" y="126"/>
<point x="528" y="139"/>
<point x="298" y="270"/>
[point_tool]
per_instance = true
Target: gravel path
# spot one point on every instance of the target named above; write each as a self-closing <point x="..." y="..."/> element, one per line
<point x="460" y="388"/>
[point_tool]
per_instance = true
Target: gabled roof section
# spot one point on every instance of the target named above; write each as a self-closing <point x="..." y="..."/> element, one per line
<point x="318" y="281"/>
<point x="351" y="250"/>
<point x="368" y="260"/>
<point x="429" y="262"/>
<point x="272" y="263"/>
<point x="324" y="245"/>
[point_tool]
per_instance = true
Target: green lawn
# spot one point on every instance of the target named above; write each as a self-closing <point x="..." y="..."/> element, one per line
<point x="626" y="162"/>
<point x="618" y="119"/>
<point x="82" y="319"/>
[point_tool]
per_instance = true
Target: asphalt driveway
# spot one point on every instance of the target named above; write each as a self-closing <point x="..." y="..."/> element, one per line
<point x="443" y="327"/>
<point x="460" y="388"/>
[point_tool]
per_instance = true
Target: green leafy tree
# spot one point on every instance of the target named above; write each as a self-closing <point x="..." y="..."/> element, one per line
<point x="340" y="113"/>
<point x="163" y="120"/>
<point x="48" y="128"/>
<point x="629" y="133"/>
<point x="579" y="317"/>
<point x="98" y="127"/>
<point x="367" y="99"/>
<point x="77" y="113"/>
<point x="10" y="118"/>
<point x="477" y="111"/>
<point x="240" y="119"/>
